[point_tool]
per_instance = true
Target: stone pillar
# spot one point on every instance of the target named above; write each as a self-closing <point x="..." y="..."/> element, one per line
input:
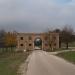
<point x="57" y="41"/>
<point x="33" y="45"/>
<point x="42" y="45"/>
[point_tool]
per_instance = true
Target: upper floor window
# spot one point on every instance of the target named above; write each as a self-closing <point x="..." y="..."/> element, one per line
<point x="21" y="38"/>
<point x="55" y="44"/>
<point x="46" y="44"/>
<point x="54" y="37"/>
<point x="46" y="38"/>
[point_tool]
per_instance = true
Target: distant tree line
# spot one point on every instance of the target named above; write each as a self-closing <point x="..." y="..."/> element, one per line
<point x="7" y="39"/>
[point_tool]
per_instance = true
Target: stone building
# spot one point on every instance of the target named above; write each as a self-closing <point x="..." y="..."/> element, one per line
<point x="26" y="41"/>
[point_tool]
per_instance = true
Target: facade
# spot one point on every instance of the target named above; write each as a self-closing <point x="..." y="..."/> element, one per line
<point x="25" y="41"/>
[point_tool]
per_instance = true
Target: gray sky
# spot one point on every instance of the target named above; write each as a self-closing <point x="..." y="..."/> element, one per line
<point x="36" y="15"/>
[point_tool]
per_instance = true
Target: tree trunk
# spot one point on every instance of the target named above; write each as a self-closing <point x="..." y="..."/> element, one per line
<point x="67" y="45"/>
<point x="60" y="44"/>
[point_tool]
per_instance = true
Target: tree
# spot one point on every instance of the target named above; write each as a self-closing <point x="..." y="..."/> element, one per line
<point x="51" y="40"/>
<point x="67" y="35"/>
<point x="2" y="37"/>
<point x="57" y="30"/>
<point x="10" y="39"/>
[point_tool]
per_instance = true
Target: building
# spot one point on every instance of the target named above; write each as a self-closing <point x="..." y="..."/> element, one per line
<point x="26" y="41"/>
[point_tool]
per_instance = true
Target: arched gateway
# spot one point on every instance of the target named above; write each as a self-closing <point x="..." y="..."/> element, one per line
<point x="33" y="41"/>
<point x="38" y="43"/>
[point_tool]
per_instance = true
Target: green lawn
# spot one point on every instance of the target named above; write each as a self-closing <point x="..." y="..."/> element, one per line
<point x="9" y="62"/>
<point x="70" y="56"/>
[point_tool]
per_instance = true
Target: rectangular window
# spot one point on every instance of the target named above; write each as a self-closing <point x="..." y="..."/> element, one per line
<point x="54" y="37"/>
<point x="21" y="38"/>
<point x="30" y="44"/>
<point x="55" y="44"/>
<point x="46" y="44"/>
<point x="46" y="38"/>
<point x="21" y="44"/>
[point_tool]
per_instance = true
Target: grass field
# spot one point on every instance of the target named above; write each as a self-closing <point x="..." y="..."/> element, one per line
<point x="70" y="56"/>
<point x="9" y="62"/>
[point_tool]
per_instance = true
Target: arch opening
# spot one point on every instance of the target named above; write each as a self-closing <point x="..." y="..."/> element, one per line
<point x="38" y="44"/>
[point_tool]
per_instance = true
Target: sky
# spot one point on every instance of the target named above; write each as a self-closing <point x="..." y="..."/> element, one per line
<point x="36" y="15"/>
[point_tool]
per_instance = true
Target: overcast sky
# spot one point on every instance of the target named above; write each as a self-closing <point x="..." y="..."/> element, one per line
<point x="36" y="15"/>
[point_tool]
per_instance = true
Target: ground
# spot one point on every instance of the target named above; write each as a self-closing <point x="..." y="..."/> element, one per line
<point x="38" y="63"/>
<point x="70" y="56"/>
<point x="42" y="63"/>
<point x="9" y="62"/>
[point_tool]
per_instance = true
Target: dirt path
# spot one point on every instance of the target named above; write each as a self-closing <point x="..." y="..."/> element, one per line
<point x="41" y="63"/>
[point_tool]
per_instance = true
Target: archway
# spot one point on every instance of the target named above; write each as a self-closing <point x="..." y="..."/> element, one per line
<point x="38" y="43"/>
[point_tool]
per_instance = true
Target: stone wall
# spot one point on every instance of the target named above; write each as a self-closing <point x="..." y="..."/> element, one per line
<point x="25" y="41"/>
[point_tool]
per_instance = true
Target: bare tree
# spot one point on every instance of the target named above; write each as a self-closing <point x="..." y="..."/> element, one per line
<point x="67" y="35"/>
<point x="50" y="40"/>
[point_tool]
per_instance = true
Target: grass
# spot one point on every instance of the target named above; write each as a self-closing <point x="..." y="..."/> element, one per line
<point x="70" y="56"/>
<point x="9" y="62"/>
<point x="72" y="44"/>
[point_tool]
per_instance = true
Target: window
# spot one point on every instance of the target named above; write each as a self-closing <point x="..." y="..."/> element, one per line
<point x="46" y="44"/>
<point x="55" y="44"/>
<point x="30" y="44"/>
<point x="54" y="37"/>
<point x="50" y="45"/>
<point x="21" y="38"/>
<point x="21" y="44"/>
<point x="46" y="38"/>
<point x="30" y="38"/>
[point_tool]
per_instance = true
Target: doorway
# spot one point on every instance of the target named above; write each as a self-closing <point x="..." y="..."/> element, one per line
<point x="38" y="44"/>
